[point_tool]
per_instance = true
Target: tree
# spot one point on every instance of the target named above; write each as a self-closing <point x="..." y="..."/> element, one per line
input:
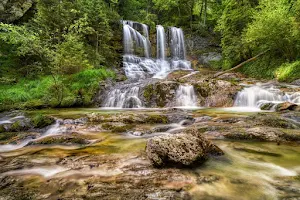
<point x="235" y="17"/>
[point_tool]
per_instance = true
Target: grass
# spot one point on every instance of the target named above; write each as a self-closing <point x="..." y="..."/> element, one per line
<point x="77" y="89"/>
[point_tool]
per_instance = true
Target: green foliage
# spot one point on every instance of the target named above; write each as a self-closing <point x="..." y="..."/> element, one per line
<point x="70" y="56"/>
<point x="288" y="72"/>
<point x="64" y="91"/>
<point x="274" y="28"/>
<point x="234" y="19"/>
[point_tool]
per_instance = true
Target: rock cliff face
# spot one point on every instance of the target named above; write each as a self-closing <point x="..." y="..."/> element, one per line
<point x="13" y="10"/>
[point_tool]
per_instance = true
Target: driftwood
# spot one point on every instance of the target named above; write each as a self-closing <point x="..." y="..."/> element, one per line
<point x="241" y="64"/>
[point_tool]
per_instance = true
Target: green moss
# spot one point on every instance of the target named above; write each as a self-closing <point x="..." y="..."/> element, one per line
<point x="121" y="129"/>
<point x="61" y="140"/>
<point x="267" y="106"/>
<point x="202" y="90"/>
<point x="148" y="92"/>
<point x="106" y="126"/>
<point x="41" y="121"/>
<point x="156" y="119"/>
<point x="15" y="127"/>
<point x="117" y="128"/>
<point x="2" y="129"/>
<point x="7" y="135"/>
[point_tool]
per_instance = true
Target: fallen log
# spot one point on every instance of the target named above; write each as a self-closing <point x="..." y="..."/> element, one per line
<point x="241" y="64"/>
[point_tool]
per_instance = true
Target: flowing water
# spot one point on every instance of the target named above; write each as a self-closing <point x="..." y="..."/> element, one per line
<point x="248" y="170"/>
<point x="185" y="96"/>
<point x="256" y="95"/>
<point x="126" y="98"/>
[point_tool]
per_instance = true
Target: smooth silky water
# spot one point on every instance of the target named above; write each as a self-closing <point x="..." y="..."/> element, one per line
<point x="248" y="170"/>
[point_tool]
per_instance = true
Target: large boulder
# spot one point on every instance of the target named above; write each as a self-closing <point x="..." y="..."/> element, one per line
<point x="187" y="148"/>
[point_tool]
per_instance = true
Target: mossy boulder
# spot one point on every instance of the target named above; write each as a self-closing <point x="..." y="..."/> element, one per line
<point x="2" y="128"/>
<point x="267" y="106"/>
<point x="159" y="94"/>
<point x="187" y="148"/>
<point x="117" y="127"/>
<point x="69" y="139"/>
<point x="41" y="121"/>
<point x="156" y="119"/>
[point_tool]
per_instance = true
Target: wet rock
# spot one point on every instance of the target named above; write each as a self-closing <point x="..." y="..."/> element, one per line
<point x="68" y="139"/>
<point x="267" y="106"/>
<point x="272" y="120"/>
<point x="82" y="120"/>
<point x="202" y="119"/>
<point x="296" y="82"/>
<point x="42" y="121"/>
<point x="161" y="128"/>
<point x="156" y="119"/>
<point x="257" y="133"/>
<point x="117" y="127"/>
<point x="184" y="149"/>
<point x="160" y="94"/>
<point x="286" y="106"/>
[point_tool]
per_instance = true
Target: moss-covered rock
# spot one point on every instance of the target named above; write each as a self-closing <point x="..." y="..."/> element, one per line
<point x="117" y="127"/>
<point x="185" y="149"/>
<point x="156" y="119"/>
<point x="70" y="139"/>
<point x="41" y="121"/>
<point x="16" y="126"/>
<point x="267" y="106"/>
<point x="2" y="129"/>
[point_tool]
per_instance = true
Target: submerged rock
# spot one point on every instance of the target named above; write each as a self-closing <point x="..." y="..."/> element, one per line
<point x="184" y="149"/>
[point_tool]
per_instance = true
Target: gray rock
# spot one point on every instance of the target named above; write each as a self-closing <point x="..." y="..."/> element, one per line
<point x="296" y="82"/>
<point x="184" y="149"/>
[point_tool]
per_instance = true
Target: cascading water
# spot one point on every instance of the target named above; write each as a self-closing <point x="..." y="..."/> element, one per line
<point x="126" y="98"/>
<point x="257" y="95"/>
<point x="178" y="50"/>
<point x="177" y="44"/>
<point x="161" y="42"/>
<point x="185" y="96"/>
<point x="138" y="65"/>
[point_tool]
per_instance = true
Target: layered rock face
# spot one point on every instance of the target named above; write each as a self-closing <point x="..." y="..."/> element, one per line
<point x="187" y="148"/>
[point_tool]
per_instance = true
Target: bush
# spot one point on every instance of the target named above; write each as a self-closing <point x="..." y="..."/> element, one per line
<point x="288" y="72"/>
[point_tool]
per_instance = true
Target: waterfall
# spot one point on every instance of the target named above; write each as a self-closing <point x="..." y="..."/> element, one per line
<point x="123" y="98"/>
<point x="139" y="65"/>
<point x="136" y="38"/>
<point x="256" y="95"/>
<point x="185" y="96"/>
<point x="132" y="37"/>
<point x="161" y="42"/>
<point x="177" y="44"/>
